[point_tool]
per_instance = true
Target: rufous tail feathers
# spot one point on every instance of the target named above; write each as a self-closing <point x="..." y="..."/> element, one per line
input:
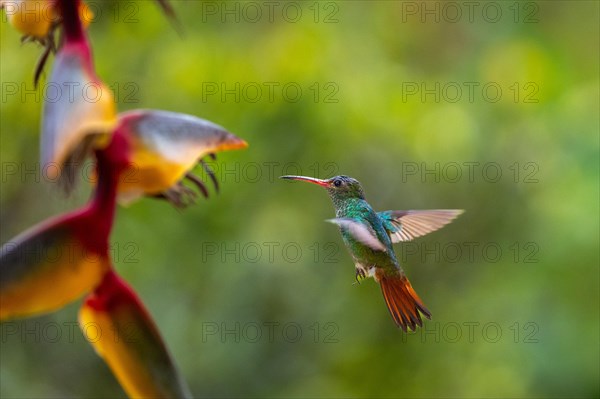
<point x="404" y="304"/>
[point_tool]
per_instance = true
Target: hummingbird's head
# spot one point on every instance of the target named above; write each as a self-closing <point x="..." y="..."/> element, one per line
<point x="338" y="187"/>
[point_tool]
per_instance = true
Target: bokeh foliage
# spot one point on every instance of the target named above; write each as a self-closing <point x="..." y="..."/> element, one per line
<point x="373" y="132"/>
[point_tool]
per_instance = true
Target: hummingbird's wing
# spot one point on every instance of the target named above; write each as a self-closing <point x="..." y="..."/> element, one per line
<point x="361" y="232"/>
<point x="406" y="225"/>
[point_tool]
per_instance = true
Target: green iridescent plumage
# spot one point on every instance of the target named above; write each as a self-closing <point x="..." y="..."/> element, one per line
<point x="369" y="236"/>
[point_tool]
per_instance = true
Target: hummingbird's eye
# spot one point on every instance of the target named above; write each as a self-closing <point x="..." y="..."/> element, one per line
<point x="337" y="182"/>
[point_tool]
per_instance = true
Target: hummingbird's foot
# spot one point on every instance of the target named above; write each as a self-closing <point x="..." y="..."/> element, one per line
<point x="360" y="275"/>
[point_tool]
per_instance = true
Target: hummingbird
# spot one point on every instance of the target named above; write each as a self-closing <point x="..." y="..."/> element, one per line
<point x="369" y="236"/>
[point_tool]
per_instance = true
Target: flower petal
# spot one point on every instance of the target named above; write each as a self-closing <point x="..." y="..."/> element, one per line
<point x="76" y="105"/>
<point x="165" y="146"/>
<point x="47" y="267"/>
<point x="127" y="339"/>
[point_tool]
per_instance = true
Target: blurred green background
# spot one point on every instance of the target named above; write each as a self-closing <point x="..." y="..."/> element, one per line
<point x="251" y="289"/>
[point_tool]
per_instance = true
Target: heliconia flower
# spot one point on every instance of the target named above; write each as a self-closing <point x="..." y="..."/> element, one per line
<point x="129" y="341"/>
<point x="38" y="20"/>
<point x="77" y="104"/>
<point x="82" y="107"/>
<point x="61" y="259"/>
<point x="164" y="148"/>
<point x="50" y="266"/>
<point x="33" y="18"/>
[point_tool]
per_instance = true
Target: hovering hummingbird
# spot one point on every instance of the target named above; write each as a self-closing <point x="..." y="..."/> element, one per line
<point x="369" y="236"/>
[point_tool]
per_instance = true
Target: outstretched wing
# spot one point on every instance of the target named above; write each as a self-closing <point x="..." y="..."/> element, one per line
<point x="406" y="225"/>
<point x="361" y="232"/>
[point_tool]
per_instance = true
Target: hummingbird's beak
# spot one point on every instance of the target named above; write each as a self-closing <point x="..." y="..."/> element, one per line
<point x="320" y="182"/>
